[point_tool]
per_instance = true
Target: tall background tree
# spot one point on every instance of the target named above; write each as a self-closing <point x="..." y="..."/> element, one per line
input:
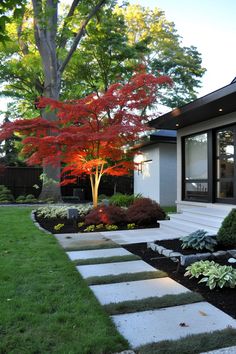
<point x="88" y="46"/>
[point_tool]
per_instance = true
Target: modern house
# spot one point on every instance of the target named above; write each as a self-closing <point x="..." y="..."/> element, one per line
<point x="156" y="174"/>
<point x="206" y="149"/>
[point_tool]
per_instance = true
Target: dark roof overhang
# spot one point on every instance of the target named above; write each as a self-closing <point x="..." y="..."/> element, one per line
<point x="215" y="104"/>
<point x="159" y="136"/>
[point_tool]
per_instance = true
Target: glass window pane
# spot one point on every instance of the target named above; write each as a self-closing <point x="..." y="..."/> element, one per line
<point x="196" y="191"/>
<point x="225" y="189"/>
<point x="225" y="142"/>
<point x="196" y="157"/>
<point x="225" y="167"/>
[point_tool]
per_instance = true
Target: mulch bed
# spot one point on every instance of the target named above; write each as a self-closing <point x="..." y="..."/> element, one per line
<point x="224" y="299"/>
<point x="72" y="226"/>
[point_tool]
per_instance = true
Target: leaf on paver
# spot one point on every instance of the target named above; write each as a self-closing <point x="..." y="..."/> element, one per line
<point x="202" y="313"/>
<point x="183" y="324"/>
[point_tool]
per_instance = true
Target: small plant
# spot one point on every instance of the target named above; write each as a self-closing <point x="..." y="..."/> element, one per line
<point x="199" y="240"/>
<point x="145" y="211"/>
<point x="99" y="226"/>
<point x="213" y="274"/>
<point x="111" y="227"/>
<point x="90" y="228"/>
<point x="106" y="214"/>
<point x="5" y="195"/>
<point x="123" y="200"/>
<point x="131" y="226"/>
<point x="26" y="199"/>
<point x="81" y="224"/>
<point x="58" y="227"/>
<point x="227" y="232"/>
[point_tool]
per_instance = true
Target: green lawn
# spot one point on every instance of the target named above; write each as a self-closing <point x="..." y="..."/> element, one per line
<point x="45" y="305"/>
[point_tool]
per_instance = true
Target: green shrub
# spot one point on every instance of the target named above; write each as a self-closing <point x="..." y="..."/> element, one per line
<point x="111" y="227"/>
<point x="26" y="199"/>
<point x="199" y="240"/>
<point x="5" y="195"/>
<point x="213" y="274"/>
<point x="123" y="200"/>
<point x="227" y="232"/>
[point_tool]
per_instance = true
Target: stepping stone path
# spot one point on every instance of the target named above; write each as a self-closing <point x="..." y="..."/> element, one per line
<point x="143" y="327"/>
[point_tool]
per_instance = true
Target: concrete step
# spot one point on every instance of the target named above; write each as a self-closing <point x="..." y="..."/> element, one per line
<point x="102" y="253"/>
<point x="185" y="227"/>
<point x="136" y="290"/>
<point x="114" y="268"/>
<point x="171" y="323"/>
<point x="201" y="221"/>
<point x="212" y="212"/>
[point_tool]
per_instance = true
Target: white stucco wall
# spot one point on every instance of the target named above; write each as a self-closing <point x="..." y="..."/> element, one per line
<point x="158" y="178"/>
<point x="200" y="127"/>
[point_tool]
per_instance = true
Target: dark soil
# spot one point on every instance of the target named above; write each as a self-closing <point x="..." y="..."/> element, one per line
<point x="175" y="245"/>
<point x="224" y="299"/>
<point x="71" y="226"/>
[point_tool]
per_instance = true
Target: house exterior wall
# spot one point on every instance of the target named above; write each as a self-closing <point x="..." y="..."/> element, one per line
<point x="196" y="128"/>
<point x="158" y="178"/>
<point x="168" y="165"/>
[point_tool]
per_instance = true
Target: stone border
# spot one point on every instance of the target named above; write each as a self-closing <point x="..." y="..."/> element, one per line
<point x="32" y="216"/>
<point x="186" y="260"/>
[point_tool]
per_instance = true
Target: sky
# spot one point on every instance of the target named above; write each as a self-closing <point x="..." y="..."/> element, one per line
<point x="210" y="26"/>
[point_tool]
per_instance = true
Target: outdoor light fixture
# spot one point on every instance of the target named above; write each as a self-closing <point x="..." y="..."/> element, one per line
<point x="138" y="159"/>
<point x="220" y="109"/>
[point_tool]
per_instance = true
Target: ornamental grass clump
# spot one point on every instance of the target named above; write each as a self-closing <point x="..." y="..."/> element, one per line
<point x="145" y="211"/>
<point x="227" y="232"/>
<point x="199" y="240"/>
<point x="123" y="200"/>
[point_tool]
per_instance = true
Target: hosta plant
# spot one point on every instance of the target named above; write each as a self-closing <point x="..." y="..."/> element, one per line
<point x="199" y="240"/>
<point x="213" y="274"/>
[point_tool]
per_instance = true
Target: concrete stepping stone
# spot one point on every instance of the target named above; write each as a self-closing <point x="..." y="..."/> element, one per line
<point x="103" y="253"/>
<point x="77" y="241"/>
<point x="136" y="290"/>
<point x="171" y="323"/>
<point x="114" y="268"/>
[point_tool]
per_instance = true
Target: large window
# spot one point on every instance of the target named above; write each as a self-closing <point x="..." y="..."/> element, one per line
<point x="196" y="167"/>
<point x="225" y="142"/>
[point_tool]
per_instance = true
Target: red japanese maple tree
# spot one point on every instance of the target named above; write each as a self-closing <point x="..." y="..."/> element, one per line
<point x="90" y="134"/>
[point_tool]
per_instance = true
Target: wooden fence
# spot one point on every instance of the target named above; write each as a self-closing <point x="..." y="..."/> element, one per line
<point x="21" y="181"/>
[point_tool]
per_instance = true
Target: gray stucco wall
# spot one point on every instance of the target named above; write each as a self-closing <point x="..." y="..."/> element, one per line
<point x="168" y="171"/>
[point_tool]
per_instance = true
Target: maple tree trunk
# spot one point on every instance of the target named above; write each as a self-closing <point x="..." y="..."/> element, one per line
<point x="95" y="181"/>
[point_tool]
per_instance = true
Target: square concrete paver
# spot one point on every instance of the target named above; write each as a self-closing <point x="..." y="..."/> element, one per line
<point x="136" y="290"/>
<point x="79" y="240"/>
<point x="114" y="268"/>
<point x="171" y="323"/>
<point x="103" y="253"/>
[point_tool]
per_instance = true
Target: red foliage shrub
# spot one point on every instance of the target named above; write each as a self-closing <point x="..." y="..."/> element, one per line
<point x="145" y="211"/>
<point x="106" y="214"/>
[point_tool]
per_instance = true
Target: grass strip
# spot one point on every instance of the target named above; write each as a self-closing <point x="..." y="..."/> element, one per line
<point x="45" y="305"/>
<point x="101" y="260"/>
<point x="110" y="279"/>
<point x="91" y="247"/>
<point x="193" y="344"/>
<point x="152" y="303"/>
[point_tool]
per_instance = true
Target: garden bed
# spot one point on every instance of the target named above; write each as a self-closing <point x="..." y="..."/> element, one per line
<point x="224" y="299"/>
<point x="71" y="226"/>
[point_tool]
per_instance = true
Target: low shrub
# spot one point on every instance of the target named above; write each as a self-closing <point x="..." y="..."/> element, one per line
<point x="227" y="232"/>
<point x="5" y="195"/>
<point x="199" y="240"/>
<point x="213" y="274"/>
<point x="123" y="200"/>
<point x="106" y="214"/>
<point x="111" y="227"/>
<point x="145" y="211"/>
<point x="30" y="198"/>
<point x="51" y="212"/>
